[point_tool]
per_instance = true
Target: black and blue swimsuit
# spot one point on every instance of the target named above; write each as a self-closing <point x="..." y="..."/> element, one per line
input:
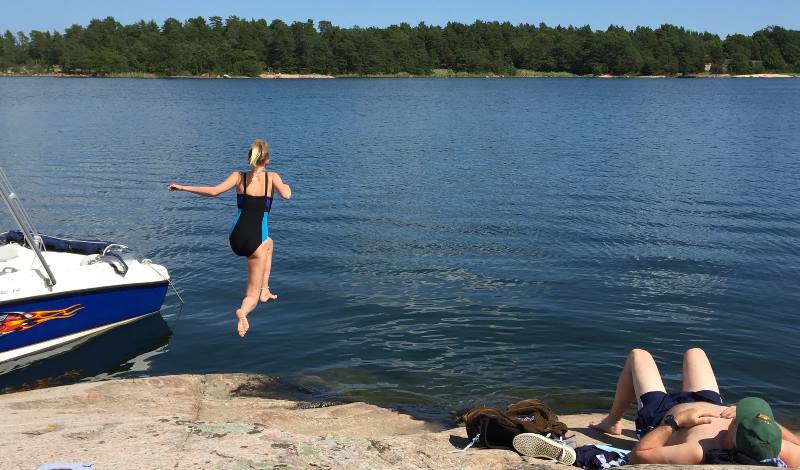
<point x="250" y="227"/>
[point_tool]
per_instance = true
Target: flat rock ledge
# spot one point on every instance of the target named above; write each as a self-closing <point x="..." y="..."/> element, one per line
<point x="228" y="421"/>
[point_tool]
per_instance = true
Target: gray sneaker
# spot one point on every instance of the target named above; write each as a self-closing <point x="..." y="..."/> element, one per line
<point x="536" y="445"/>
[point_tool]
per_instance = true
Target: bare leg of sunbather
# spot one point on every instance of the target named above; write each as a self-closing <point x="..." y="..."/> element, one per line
<point x="697" y="372"/>
<point x="639" y="376"/>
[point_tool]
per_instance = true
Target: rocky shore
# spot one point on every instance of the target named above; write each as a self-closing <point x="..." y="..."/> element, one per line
<point x="235" y="421"/>
<point x="293" y="75"/>
<point x="276" y="76"/>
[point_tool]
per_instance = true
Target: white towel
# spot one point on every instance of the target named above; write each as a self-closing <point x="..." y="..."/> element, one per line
<point x="67" y="466"/>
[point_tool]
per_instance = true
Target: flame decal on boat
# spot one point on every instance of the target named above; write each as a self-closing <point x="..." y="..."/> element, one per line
<point x="11" y="322"/>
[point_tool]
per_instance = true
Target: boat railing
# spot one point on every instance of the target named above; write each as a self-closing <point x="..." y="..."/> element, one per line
<point x="23" y="220"/>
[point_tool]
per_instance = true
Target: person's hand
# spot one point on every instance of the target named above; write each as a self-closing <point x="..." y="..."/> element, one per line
<point x="729" y="412"/>
<point x="174" y="187"/>
<point x="691" y="417"/>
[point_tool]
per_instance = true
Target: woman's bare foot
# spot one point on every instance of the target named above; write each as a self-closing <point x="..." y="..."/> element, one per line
<point x="608" y="427"/>
<point x="266" y="295"/>
<point x="243" y="325"/>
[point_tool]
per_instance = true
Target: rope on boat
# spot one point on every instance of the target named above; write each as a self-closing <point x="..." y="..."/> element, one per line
<point x="149" y="263"/>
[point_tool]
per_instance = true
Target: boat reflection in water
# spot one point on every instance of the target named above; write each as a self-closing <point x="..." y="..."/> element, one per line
<point x="127" y="349"/>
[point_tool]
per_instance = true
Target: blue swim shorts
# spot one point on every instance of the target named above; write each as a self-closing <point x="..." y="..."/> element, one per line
<point x="653" y="406"/>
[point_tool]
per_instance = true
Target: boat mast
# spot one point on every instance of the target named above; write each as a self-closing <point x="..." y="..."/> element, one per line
<point x="24" y="223"/>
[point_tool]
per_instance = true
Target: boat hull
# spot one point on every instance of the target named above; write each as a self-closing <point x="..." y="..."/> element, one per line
<point x="29" y="326"/>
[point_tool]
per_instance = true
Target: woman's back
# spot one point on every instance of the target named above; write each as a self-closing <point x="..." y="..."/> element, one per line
<point x="255" y="183"/>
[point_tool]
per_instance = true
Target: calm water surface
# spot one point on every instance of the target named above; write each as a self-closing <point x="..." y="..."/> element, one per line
<point x="449" y="241"/>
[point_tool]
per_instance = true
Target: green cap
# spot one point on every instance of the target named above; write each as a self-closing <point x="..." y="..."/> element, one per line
<point x="757" y="434"/>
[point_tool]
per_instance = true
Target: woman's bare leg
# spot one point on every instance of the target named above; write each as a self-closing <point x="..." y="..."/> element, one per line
<point x="697" y="372"/>
<point x="255" y="272"/>
<point x="266" y="294"/>
<point x="639" y="376"/>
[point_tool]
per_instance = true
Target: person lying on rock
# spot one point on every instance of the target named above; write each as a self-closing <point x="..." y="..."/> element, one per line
<point x="689" y="426"/>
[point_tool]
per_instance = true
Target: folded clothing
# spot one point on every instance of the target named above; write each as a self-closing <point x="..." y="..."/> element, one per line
<point x="730" y="456"/>
<point x="592" y="457"/>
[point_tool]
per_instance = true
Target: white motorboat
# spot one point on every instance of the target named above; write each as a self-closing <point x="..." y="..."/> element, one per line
<point x="56" y="292"/>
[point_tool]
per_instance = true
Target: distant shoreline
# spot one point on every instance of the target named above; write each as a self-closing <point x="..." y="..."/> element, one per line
<point x="448" y="74"/>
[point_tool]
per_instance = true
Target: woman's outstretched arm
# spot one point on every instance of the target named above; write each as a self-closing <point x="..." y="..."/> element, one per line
<point x="283" y="189"/>
<point x="210" y="191"/>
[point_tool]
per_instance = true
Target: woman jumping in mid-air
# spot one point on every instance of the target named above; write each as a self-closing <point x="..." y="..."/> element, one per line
<point x="250" y="234"/>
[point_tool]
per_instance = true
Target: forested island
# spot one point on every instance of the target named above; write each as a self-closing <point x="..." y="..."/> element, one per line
<point x="235" y="46"/>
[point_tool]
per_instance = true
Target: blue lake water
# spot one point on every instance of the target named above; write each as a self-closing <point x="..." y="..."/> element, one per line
<point x="449" y="242"/>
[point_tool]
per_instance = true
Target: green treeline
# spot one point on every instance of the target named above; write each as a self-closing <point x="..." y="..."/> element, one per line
<point x="249" y="47"/>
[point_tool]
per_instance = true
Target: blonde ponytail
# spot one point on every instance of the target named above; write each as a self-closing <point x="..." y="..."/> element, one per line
<point x="259" y="153"/>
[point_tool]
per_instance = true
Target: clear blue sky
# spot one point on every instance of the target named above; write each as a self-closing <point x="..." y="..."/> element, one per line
<point x="718" y="16"/>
